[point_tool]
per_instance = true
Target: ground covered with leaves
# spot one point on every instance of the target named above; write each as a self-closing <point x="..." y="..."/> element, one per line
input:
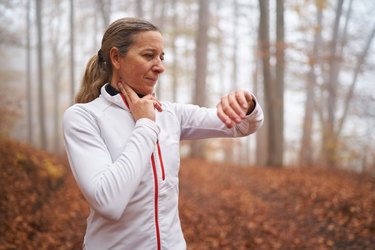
<point x="221" y="206"/>
<point x="231" y="207"/>
<point x="40" y="205"/>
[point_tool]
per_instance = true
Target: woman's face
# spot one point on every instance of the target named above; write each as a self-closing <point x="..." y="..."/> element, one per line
<point x="141" y="66"/>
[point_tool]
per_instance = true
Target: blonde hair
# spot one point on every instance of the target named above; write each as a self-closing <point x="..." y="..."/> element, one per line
<point x="99" y="68"/>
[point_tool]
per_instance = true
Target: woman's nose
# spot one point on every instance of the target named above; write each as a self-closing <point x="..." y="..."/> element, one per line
<point x="159" y="67"/>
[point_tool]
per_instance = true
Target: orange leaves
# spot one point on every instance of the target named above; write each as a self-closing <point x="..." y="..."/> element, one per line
<point x="221" y="206"/>
<point x="275" y="208"/>
<point x="38" y="202"/>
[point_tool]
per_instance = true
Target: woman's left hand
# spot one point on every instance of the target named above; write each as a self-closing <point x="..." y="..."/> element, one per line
<point x="233" y="107"/>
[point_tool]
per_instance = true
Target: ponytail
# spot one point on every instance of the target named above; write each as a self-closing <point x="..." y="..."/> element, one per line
<point x="96" y="75"/>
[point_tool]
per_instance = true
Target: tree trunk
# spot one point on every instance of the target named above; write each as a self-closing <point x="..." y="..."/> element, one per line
<point x="139" y="8"/>
<point x="29" y="103"/>
<point x="261" y="135"/>
<point x="279" y="84"/>
<point x="201" y="67"/>
<point x="329" y="137"/>
<point x="360" y="62"/>
<point x="175" y="67"/>
<point x="57" y="72"/>
<point x="234" y="154"/>
<point x="220" y="52"/>
<point x="306" y="151"/>
<point x="57" y="69"/>
<point x="158" y="16"/>
<point x="42" y="122"/>
<point x="264" y="45"/>
<point x="345" y="31"/>
<point x="72" y="67"/>
<point x="235" y="46"/>
<point x="105" y="11"/>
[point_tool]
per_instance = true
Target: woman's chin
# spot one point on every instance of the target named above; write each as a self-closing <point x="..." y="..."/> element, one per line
<point x="145" y="91"/>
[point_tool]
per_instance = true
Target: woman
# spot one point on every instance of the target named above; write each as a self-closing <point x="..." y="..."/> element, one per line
<point x="123" y="144"/>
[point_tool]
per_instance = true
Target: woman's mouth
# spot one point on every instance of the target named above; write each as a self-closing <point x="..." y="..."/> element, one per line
<point x="154" y="80"/>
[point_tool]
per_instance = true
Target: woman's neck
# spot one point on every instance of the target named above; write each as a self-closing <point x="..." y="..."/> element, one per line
<point x="112" y="90"/>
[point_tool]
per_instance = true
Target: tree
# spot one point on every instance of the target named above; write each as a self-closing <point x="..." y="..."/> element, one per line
<point x="306" y="149"/>
<point x="273" y="86"/>
<point x="158" y="17"/>
<point x="139" y="8"/>
<point x="235" y="45"/>
<point x="104" y="7"/>
<point x="360" y="61"/>
<point x="41" y="108"/>
<point x="234" y="150"/>
<point x="201" y="65"/>
<point x="331" y="120"/>
<point x="72" y="59"/>
<point x="264" y="46"/>
<point x="28" y="73"/>
<point x="279" y="84"/>
<point x="261" y="135"/>
<point x="174" y="72"/>
<point x="329" y="94"/>
<point x="55" y="43"/>
<point x="328" y="135"/>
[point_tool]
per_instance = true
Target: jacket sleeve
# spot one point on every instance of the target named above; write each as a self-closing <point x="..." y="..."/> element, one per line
<point x="106" y="185"/>
<point x="200" y="123"/>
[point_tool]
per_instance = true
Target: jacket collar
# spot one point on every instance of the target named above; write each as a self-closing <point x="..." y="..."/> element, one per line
<point x="115" y="99"/>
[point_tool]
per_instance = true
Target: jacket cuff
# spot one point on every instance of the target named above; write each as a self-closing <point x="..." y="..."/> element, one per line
<point x="145" y="122"/>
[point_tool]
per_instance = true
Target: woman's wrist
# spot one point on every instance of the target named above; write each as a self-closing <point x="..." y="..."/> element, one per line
<point x="251" y="107"/>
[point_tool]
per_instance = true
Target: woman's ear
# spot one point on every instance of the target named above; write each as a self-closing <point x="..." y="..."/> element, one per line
<point x="114" y="56"/>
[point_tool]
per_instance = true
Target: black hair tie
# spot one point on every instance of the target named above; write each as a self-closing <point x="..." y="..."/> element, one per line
<point x="100" y="56"/>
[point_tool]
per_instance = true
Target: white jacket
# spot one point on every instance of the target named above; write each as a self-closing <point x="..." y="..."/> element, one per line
<point x="128" y="171"/>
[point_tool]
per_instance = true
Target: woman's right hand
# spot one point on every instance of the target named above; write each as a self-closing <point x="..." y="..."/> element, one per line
<point x="139" y="107"/>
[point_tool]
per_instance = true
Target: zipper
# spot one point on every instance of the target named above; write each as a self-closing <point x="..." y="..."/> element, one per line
<point x="156" y="186"/>
<point x="161" y="161"/>
<point x="157" y="144"/>
<point x="156" y="201"/>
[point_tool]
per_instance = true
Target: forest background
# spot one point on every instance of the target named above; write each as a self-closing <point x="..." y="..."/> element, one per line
<point x="310" y="63"/>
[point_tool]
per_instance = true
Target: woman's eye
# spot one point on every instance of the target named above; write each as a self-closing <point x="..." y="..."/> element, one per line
<point x="152" y="56"/>
<point x="149" y="56"/>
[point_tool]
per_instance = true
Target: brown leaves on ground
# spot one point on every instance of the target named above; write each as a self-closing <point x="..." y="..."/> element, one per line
<point x="221" y="206"/>
<point x="40" y="205"/>
<point x="229" y="207"/>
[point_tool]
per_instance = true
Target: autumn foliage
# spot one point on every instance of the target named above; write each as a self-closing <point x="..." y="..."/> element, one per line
<point x="229" y="207"/>
<point x="40" y="206"/>
<point x="221" y="206"/>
